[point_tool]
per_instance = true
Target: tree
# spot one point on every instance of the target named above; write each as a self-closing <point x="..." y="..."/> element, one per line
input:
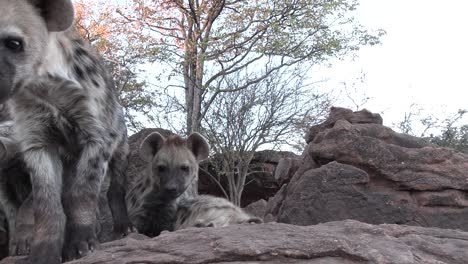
<point x="453" y="136"/>
<point x="123" y="56"/>
<point x="445" y="131"/>
<point x="265" y="114"/>
<point x="204" y="42"/>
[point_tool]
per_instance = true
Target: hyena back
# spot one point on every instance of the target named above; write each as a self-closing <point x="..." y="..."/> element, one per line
<point x="68" y="122"/>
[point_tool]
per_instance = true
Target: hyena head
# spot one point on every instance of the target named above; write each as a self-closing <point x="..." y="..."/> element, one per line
<point x="24" y="30"/>
<point x="173" y="161"/>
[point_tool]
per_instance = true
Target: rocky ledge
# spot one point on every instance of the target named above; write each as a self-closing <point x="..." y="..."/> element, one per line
<point x="346" y="241"/>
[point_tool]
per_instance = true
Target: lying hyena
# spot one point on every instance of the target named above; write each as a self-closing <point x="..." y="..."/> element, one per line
<point x="210" y="211"/>
<point x="173" y="165"/>
<point x="68" y="122"/>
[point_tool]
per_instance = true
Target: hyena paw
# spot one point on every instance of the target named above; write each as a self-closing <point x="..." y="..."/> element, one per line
<point x="43" y="253"/>
<point x="123" y="228"/>
<point x="21" y="242"/>
<point x="80" y="241"/>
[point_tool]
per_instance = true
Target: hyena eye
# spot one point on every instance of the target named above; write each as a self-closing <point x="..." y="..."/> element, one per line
<point x="161" y="168"/>
<point x="185" y="168"/>
<point x="14" y="44"/>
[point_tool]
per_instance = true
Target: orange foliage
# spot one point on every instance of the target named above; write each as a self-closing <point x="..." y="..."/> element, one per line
<point x="100" y="23"/>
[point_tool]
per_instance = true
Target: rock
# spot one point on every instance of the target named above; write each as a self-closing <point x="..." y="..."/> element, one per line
<point x="260" y="183"/>
<point x="274" y="204"/>
<point x="368" y="172"/>
<point x="349" y="242"/>
<point x="338" y="113"/>
<point x="285" y="169"/>
<point x="257" y="208"/>
<point x="333" y="192"/>
<point x="271" y="156"/>
<point x="426" y="168"/>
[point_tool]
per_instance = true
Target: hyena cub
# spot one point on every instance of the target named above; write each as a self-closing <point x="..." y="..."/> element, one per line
<point x="172" y="166"/>
<point x="68" y="123"/>
<point x="210" y="211"/>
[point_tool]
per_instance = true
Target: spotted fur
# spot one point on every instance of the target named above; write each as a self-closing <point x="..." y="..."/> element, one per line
<point x="158" y="194"/>
<point x="68" y="123"/>
<point x="209" y="211"/>
<point x="172" y="167"/>
<point x="15" y="186"/>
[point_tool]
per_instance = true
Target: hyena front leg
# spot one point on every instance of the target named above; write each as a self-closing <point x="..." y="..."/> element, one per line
<point x="49" y="219"/>
<point x="80" y="201"/>
<point x="24" y="228"/>
<point x="116" y="193"/>
<point x="9" y="208"/>
<point x="157" y="214"/>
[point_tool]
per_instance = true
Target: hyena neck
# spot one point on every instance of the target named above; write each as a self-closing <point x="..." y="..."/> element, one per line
<point x="57" y="60"/>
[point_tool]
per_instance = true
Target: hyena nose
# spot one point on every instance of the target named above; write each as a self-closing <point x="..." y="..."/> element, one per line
<point x="171" y="190"/>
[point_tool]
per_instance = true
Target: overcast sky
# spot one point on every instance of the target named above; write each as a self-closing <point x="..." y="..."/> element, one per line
<point x="423" y="58"/>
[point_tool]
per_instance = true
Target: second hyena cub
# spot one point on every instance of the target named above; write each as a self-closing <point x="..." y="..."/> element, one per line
<point x="172" y="166"/>
<point x="210" y="211"/>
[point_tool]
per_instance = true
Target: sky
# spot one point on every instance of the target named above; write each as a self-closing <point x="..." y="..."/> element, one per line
<point x="422" y="59"/>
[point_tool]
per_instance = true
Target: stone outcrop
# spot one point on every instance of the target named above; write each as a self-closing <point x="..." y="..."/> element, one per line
<point x="346" y="242"/>
<point x="356" y="168"/>
<point x="261" y="181"/>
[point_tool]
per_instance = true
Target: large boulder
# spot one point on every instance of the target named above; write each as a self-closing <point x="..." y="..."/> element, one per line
<point x="360" y="169"/>
<point x="337" y="113"/>
<point x="347" y="242"/>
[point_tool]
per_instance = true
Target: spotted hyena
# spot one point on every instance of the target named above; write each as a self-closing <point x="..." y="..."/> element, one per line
<point x="157" y="204"/>
<point x="68" y="123"/>
<point x="15" y="186"/>
<point x="210" y="211"/>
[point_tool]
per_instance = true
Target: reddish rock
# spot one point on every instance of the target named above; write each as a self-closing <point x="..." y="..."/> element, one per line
<point x="338" y="113"/>
<point x="368" y="172"/>
<point x="260" y="182"/>
<point x="257" y="208"/>
<point x="286" y="169"/>
<point x="349" y="242"/>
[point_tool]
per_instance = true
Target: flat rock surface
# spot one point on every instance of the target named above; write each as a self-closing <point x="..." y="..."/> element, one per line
<point x="334" y="242"/>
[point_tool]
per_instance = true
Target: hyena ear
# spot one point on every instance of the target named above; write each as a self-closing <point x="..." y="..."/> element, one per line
<point x="150" y="146"/>
<point x="58" y="14"/>
<point x="8" y="148"/>
<point x="199" y="146"/>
